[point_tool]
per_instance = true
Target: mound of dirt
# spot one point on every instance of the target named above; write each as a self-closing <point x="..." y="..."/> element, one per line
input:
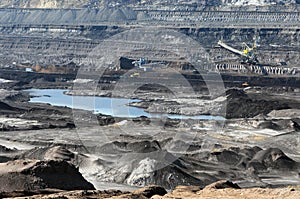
<point x="272" y="158"/>
<point x="146" y="167"/>
<point x="126" y="63"/>
<point x="137" y="147"/>
<point x="117" y="16"/>
<point x="257" y="158"/>
<point x="6" y="107"/>
<point x="228" y="157"/>
<point x="269" y="125"/>
<point x="148" y="171"/>
<point x="48" y="153"/>
<point x="242" y="105"/>
<point x="35" y="174"/>
<point x="234" y="156"/>
<point x="235" y="93"/>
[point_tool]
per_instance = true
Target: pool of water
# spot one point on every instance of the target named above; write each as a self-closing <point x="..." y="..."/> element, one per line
<point x="117" y="107"/>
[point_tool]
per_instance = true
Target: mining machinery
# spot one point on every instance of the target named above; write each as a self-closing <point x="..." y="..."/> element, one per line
<point x="248" y="54"/>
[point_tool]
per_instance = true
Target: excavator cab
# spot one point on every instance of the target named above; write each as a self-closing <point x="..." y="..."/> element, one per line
<point x="250" y="53"/>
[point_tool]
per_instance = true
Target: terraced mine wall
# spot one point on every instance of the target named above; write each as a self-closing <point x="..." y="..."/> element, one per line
<point x="131" y="16"/>
<point x="228" y="18"/>
<point x="52" y="39"/>
<point x="49" y="45"/>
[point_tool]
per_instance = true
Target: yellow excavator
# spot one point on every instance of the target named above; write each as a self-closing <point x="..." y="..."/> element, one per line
<point x="248" y="54"/>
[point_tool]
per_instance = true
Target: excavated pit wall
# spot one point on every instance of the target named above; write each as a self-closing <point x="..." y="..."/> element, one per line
<point x="43" y="44"/>
<point x="121" y="15"/>
<point x="228" y="18"/>
<point x="25" y="43"/>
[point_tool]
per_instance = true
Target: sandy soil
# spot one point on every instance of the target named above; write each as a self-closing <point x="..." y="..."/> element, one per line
<point x="184" y="192"/>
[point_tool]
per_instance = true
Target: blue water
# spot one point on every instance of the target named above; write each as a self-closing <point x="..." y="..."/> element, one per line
<point x="117" y="107"/>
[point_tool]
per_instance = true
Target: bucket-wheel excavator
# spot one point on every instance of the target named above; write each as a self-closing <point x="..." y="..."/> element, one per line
<point x="248" y="54"/>
<point x="250" y="64"/>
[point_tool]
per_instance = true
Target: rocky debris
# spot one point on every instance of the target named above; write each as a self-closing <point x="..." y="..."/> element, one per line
<point x="234" y="156"/>
<point x="237" y="104"/>
<point x="143" y="167"/>
<point x="181" y="189"/>
<point x="142" y="193"/>
<point x="235" y="93"/>
<point x="148" y="172"/>
<point x="137" y="147"/>
<point x="285" y="114"/>
<point x="6" y="107"/>
<point x="223" y="184"/>
<point x="59" y="153"/>
<point x="125" y="63"/>
<point x="143" y="162"/>
<point x="190" y="192"/>
<point x="130" y="161"/>
<point x="20" y="193"/>
<point x="20" y="115"/>
<point x="139" y="170"/>
<point x="231" y="193"/>
<point x="150" y="191"/>
<point x="55" y="193"/>
<point x="228" y="157"/>
<point x="31" y="175"/>
<point x="242" y="105"/>
<point x="272" y="158"/>
<point x="9" y="124"/>
<point x="269" y="125"/>
<point x="104" y="120"/>
<point x="279" y="124"/>
<point x="257" y="158"/>
<point x="48" y="153"/>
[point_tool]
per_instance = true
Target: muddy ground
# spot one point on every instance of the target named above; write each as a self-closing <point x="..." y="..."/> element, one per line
<point x="257" y="145"/>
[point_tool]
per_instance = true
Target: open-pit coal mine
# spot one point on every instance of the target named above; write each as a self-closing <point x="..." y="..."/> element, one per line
<point x="91" y="99"/>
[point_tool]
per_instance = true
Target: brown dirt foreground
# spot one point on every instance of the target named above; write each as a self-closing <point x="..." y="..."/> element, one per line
<point x="218" y="190"/>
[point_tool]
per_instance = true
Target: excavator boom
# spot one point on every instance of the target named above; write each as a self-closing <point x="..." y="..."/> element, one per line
<point x="231" y="49"/>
